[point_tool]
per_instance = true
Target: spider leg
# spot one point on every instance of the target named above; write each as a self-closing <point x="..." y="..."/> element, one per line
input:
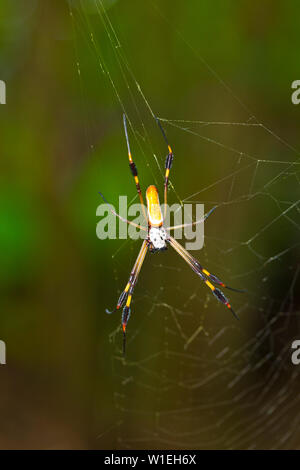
<point x="120" y="217"/>
<point x="127" y="310"/>
<point x="198" y="266"/>
<point x="193" y="223"/>
<point x="126" y="294"/>
<point x="133" y="168"/>
<point x="168" y="164"/>
<point x="205" y="276"/>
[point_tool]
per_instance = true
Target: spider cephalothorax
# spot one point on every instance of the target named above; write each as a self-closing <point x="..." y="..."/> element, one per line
<point x="158" y="237"/>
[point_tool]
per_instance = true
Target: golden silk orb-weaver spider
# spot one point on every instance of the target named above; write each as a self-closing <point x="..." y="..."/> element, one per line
<point x="158" y="237"/>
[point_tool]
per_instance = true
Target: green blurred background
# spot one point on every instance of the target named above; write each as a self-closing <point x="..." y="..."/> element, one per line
<point x="71" y="70"/>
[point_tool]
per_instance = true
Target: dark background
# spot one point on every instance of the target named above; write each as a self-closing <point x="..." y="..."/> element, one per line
<point x="71" y="71"/>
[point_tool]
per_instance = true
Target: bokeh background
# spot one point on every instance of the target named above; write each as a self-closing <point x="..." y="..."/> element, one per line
<point x="71" y="70"/>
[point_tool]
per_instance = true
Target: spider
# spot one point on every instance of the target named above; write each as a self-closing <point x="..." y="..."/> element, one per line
<point x="158" y="237"/>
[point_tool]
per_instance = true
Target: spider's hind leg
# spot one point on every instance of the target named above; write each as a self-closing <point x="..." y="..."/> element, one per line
<point x="204" y="275"/>
<point x="217" y="281"/>
<point x="126" y="291"/>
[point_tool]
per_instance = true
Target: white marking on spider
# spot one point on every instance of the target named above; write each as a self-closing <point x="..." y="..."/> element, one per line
<point x="158" y="236"/>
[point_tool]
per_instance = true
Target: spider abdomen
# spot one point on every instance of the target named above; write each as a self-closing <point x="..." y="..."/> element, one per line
<point x="155" y="217"/>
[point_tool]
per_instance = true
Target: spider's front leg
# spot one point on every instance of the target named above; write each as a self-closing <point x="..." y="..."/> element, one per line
<point x="168" y="164"/>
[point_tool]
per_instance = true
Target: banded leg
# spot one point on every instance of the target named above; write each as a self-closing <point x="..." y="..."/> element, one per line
<point x="168" y="165"/>
<point x="126" y="295"/>
<point x="206" y="277"/>
<point x="127" y="310"/>
<point x="133" y="169"/>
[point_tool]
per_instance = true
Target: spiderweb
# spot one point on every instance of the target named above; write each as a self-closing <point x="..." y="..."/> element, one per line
<point x="193" y="377"/>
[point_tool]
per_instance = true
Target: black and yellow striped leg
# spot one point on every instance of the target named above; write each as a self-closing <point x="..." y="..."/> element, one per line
<point x="127" y="310"/>
<point x="126" y="295"/>
<point x="133" y="169"/>
<point x="214" y="279"/>
<point x="168" y="165"/>
<point x="217" y="281"/>
<point x="125" y="292"/>
<point x="205" y="276"/>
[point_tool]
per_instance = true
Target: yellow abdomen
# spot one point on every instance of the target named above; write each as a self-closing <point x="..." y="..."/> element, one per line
<point x="153" y="207"/>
